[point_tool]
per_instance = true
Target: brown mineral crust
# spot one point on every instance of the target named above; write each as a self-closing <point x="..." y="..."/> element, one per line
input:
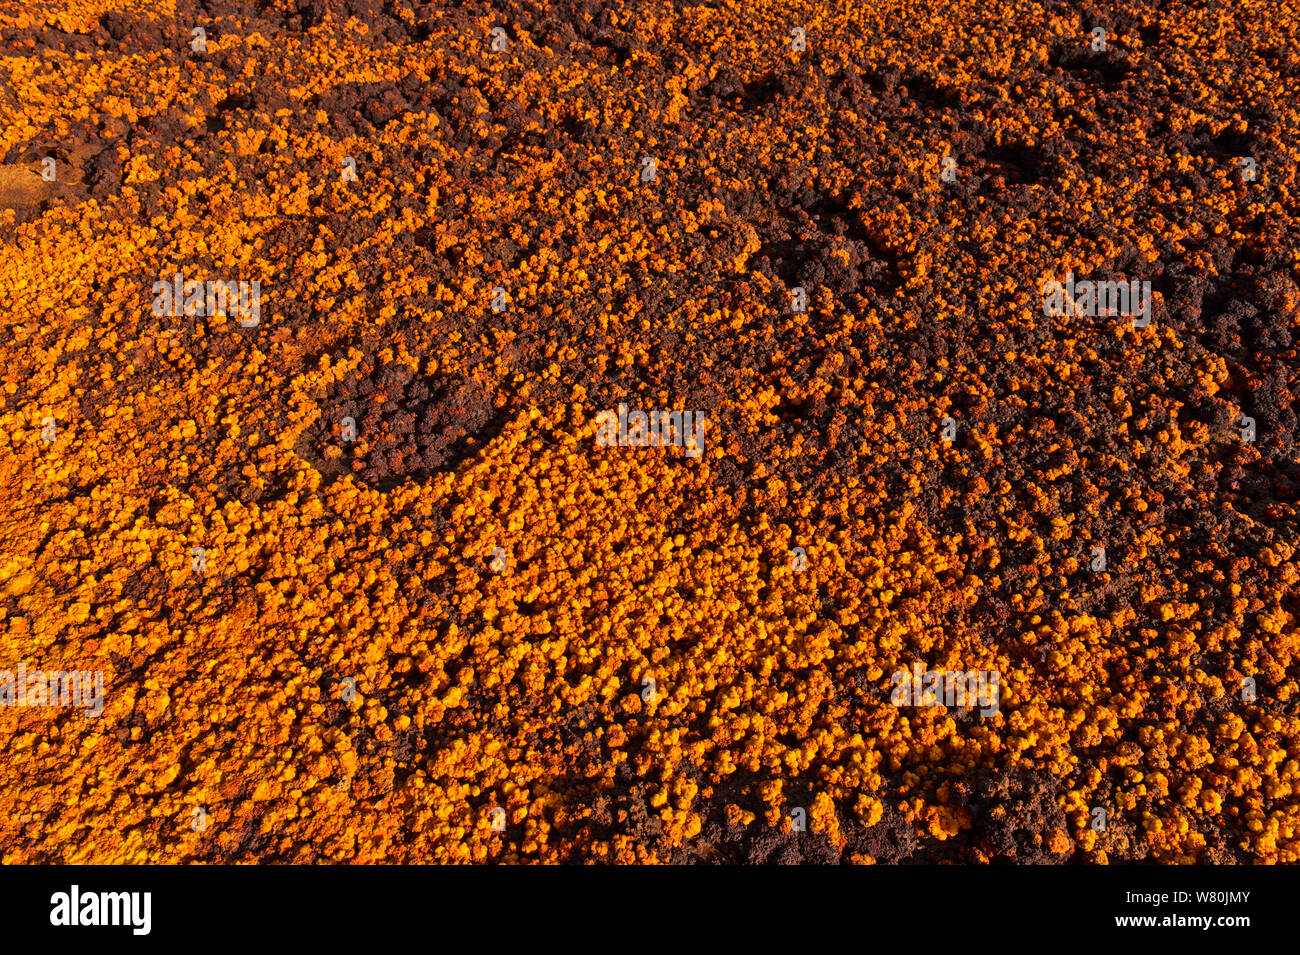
<point x="409" y="424"/>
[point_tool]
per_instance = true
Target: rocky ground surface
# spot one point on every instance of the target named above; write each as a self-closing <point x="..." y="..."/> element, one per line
<point x="364" y="586"/>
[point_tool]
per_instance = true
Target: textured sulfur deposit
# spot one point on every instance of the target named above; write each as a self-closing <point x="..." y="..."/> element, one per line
<point x="362" y="579"/>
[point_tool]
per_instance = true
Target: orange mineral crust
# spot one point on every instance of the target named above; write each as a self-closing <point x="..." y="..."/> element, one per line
<point x="570" y="431"/>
